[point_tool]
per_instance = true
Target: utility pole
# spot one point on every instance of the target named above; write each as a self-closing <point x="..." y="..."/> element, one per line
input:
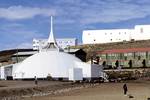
<point x="17" y="55"/>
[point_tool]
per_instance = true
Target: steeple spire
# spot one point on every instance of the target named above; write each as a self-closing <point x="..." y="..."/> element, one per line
<point x="51" y="38"/>
<point x="51" y="42"/>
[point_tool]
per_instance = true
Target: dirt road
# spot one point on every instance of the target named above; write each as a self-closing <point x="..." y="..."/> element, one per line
<point x="104" y="91"/>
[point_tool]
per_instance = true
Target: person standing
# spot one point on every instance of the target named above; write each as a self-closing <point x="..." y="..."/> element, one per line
<point x="35" y="80"/>
<point x="125" y="88"/>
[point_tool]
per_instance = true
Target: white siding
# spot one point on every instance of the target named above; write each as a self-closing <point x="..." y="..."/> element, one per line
<point x="75" y="74"/>
<point x="2" y="75"/>
<point x="140" y="32"/>
<point x="63" y="43"/>
<point x="95" y="70"/>
<point x="90" y="70"/>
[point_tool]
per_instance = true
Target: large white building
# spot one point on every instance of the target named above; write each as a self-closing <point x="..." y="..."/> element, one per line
<point x="140" y="32"/>
<point x="52" y="61"/>
<point x="61" y="42"/>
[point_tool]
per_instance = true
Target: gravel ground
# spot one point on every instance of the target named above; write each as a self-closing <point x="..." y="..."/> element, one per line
<point x="54" y="90"/>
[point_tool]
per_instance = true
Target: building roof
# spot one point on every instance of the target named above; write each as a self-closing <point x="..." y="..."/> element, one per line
<point x="5" y="55"/>
<point x="71" y="50"/>
<point x="12" y="51"/>
<point x="25" y="53"/>
<point x="50" y="62"/>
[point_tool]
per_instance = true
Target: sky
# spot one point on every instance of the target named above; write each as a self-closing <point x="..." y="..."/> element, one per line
<point x="23" y="20"/>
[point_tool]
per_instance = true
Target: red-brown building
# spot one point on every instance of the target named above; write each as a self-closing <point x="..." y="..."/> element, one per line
<point x="127" y="58"/>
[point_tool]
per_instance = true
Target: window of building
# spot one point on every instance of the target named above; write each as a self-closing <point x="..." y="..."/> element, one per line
<point x="114" y="56"/>
<point x="66" y="42"/>
<point x="139" y="57"/>
<point x="94" y="40"/>
<point x="125" y="58"/>
<point x="141" y="30"/>
<point x="149" y="55"/>
<point x="125" y="54"/>
<point x="105" y="33"/>
<point x="88" y="33"/>
<point x="110" y="33"/>
<point x="119" y="33"/>
<point x="110" y="39"/>
<point x="34" y="42"/>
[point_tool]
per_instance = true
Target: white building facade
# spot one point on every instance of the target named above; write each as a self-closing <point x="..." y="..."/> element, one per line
<point x="140" y="32"/>
<point x="62" y="43"/>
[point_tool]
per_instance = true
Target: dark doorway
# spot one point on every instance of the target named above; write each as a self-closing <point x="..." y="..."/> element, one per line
<point x="139" y="57"/>
<point x="117" y="64"/>
<point x="130" y="63"/>
<point x="104" y="63"/>
<point x="97" y="60"/>
<point x="144" y="63"/>
<point x="91" y="60"/>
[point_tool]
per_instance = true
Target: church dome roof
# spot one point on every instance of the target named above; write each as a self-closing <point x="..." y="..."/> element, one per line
<point x="46" y="63"/>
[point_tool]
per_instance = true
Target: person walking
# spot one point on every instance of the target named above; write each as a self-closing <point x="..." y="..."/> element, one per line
<point x="125" y="89"/>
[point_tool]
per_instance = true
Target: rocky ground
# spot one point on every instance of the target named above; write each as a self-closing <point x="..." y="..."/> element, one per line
<point x="17" y="89"/>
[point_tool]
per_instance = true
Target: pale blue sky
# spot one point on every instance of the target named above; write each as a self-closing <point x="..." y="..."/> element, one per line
<point x="23" y="20"/>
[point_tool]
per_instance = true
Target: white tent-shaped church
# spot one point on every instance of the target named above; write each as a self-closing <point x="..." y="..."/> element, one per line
<point x="51" y="60"/>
